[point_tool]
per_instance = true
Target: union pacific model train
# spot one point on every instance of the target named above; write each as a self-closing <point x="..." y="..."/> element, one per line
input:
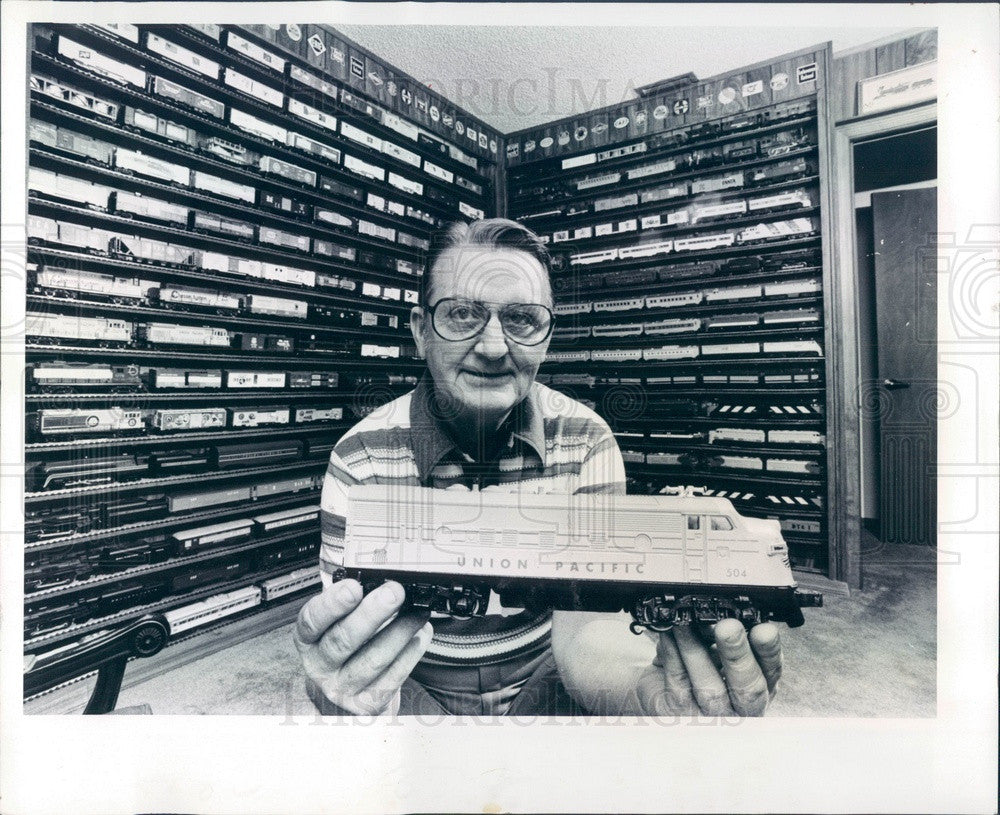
<point x="668" y="560"/>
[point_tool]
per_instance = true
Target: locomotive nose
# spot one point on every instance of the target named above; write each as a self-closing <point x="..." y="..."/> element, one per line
<point x="768" y="533"/>
<point x="767" y="528"/>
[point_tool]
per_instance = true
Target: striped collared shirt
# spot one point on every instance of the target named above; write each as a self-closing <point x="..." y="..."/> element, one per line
<point x="549" y="443"/>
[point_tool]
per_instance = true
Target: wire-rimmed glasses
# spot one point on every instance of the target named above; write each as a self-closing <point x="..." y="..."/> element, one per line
<point x="456" y="319"/>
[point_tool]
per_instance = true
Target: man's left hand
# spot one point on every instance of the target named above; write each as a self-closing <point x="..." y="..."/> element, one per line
<point x="709" y="671"/>
<point x="736" y="676"/>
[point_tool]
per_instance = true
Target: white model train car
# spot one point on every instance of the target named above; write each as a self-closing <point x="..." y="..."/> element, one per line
<point x="289" y="583"/>
<point x="60" y="327"/>
<point x="667" y="559"/>
<point x="666" y="352"/>
<point x="78" y="281"/>
<point x="257" y="127"/>
<point x="134" y="161"/>
<point x="214" y="608"/>
<point x="91" y="60"/>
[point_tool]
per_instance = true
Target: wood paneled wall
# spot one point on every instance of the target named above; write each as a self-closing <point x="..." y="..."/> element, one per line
<point x="849" y="68"/>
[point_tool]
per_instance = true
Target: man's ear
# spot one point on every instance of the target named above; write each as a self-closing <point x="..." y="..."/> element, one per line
<point x="418" y="324"/>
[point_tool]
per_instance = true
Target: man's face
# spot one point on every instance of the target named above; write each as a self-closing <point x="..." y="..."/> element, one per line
<point x="486" y="376"/>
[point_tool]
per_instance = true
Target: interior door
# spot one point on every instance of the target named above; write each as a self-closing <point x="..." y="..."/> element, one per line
<point x="904" y="229"/>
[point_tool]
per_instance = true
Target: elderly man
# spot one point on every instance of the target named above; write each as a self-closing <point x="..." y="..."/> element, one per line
<point x="478" y="420"/>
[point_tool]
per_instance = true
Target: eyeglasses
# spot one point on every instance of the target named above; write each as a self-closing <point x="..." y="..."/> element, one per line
<point x="455" y="320"/>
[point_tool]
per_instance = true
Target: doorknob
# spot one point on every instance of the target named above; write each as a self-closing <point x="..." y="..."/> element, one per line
<point x="895" y="384"/>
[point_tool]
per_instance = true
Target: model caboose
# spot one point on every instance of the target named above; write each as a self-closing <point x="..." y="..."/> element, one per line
<point x="668" y="560"/>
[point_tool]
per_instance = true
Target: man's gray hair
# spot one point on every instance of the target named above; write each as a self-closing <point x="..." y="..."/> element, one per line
<point x="491" y="233"/>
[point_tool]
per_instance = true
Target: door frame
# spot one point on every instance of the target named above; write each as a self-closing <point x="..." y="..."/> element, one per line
<point x="842" y="339"/>
<point x="702" y="539"/>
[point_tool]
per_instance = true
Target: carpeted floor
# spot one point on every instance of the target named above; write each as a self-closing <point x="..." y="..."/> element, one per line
<point x="871" y="654"/>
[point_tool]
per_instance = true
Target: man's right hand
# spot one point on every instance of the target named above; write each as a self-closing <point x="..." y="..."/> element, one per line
<point x="354" y="662"/>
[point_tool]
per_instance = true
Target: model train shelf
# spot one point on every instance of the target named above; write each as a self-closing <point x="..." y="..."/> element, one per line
<point x="668" y="559"/>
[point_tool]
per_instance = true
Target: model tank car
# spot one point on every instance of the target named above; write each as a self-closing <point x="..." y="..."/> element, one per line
<point x="667" y="559"/>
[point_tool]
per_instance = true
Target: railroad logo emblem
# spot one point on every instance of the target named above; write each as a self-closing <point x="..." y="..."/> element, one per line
<point x="806" y="73"/>
<point x="317" y="45"/>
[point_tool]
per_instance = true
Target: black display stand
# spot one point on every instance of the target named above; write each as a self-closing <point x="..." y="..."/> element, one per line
<point x="688" y="229"/>
<point x="226" y="235"/>
<point x="108" y="655"/>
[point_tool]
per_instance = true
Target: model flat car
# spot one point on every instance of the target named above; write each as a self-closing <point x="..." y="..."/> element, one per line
<point x="669" y="560"/>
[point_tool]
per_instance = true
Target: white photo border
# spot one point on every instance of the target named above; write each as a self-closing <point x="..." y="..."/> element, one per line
<point x="272" y="764"/>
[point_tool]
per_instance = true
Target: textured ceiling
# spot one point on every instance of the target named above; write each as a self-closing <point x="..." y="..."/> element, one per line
<point x="514" y="77"/>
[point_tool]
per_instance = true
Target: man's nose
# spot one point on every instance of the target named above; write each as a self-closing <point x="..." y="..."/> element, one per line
<point x="492" y="342"/>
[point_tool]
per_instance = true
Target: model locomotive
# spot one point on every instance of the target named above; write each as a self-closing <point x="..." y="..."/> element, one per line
<point x="668" y="560"/>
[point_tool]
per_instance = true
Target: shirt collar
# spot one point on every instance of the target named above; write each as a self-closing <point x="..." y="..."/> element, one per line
<point x="431" y="441"/>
